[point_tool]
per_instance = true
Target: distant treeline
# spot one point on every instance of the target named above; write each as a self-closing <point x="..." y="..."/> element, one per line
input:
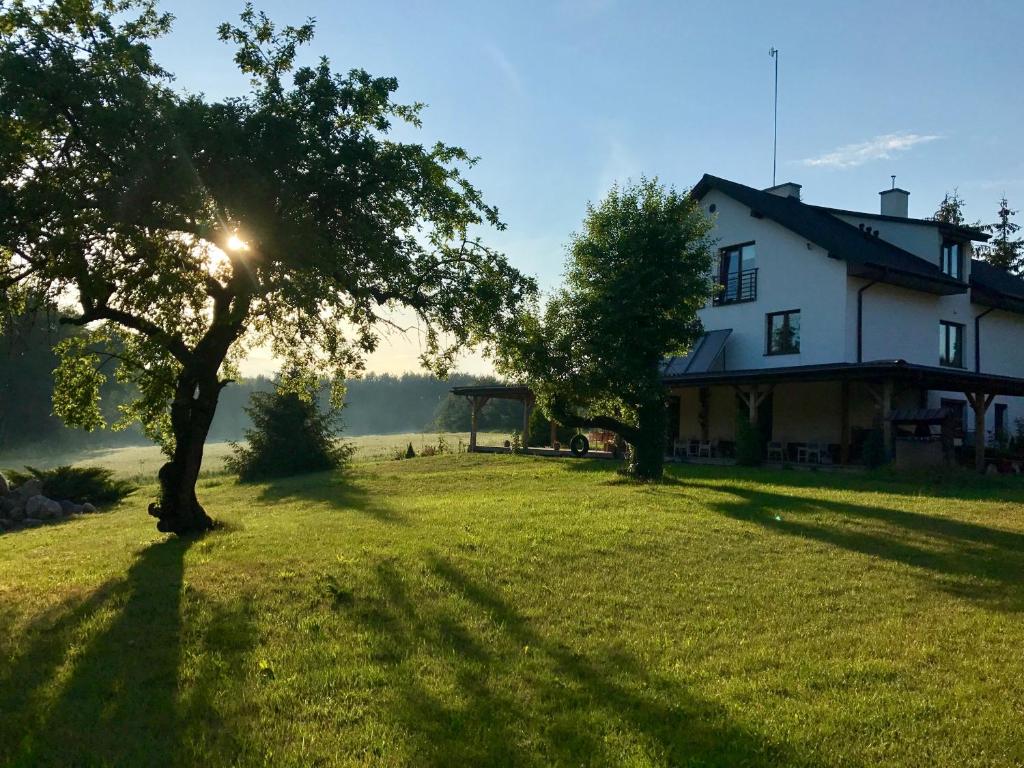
<point x="375" y="404"/>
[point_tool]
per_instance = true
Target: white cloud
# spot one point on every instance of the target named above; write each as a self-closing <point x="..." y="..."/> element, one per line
<point x="505" y="66"/>
<point x="878" y="148"/>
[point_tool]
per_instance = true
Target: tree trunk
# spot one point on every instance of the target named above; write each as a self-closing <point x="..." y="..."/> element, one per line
<point x="647" y="459"/>
<point x="195" y="401"/>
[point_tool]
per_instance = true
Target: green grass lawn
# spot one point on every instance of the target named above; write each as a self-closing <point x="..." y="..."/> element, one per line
<point x="142" y="462"/>
<point x="501" y="610"/>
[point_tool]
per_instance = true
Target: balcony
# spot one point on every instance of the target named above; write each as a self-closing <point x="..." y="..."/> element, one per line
<point x="737" y="288"/>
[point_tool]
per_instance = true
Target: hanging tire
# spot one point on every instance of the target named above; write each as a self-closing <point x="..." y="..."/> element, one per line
<point x="579" y="445"/>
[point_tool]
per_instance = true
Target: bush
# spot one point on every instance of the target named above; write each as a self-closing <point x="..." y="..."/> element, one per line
<point x="874" y="449"/>
<point x="82" y="485"/>
<point x="749" y="443"/>
<point x="540" y="430"/>
<point x="290" y="436"/>
<point x="409" y="452"/>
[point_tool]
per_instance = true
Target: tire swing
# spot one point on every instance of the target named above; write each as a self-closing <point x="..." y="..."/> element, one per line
<point x="579" y="445"/>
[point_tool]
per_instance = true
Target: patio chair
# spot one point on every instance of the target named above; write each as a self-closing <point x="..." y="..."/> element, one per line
<point x="777" y="450"/>
<point x="809" y="453"/>
<point x="704" y="449"/>
<point x="680" y="448"/>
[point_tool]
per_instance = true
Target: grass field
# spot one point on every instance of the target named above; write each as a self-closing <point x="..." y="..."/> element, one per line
<point x="501" y="610"/>
<point x="142" y="462"/>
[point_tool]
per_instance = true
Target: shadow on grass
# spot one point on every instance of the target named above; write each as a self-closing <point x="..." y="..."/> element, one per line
<point x="970" y="560"/>
<point x="340" y="490"/>
<point x="507" y="694"/>
<point x="96" y="681"/>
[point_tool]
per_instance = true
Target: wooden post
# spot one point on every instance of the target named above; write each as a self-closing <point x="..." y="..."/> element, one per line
<point x="704" y="417"/>
<point x="980" y="403"/>
<point x="844" y="422"/>
<point x="886" y="418"/>
<point x="527" y="407"/>
<point x="554" y="433"/>
<point x="476" y="404"/>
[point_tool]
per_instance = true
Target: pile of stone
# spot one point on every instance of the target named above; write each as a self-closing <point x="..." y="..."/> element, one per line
<point x="25" y="506"/>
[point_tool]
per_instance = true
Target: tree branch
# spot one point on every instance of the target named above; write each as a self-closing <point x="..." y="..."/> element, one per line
<point x="174" y="344"/>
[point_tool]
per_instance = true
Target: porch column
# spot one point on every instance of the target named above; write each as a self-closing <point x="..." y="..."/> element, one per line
<point x="844" y="423"/>
<point x="527" y="408"/>
<point x="704" y="416"/>
<point x="476" y="403"/>
<point x="979" y="402"/>
<point x="887" y="417"/>
<point x="753" y="398"/>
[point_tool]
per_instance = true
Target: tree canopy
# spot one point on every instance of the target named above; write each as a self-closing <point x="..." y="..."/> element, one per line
<point x="185" y="231"/>
<point x="1004" y="250"/>
<point x="636" y="275"/>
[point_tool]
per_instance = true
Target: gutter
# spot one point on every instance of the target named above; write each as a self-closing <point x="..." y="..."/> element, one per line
<point x="977" y="338"/>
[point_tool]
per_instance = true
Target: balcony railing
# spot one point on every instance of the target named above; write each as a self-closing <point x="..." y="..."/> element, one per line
<point x="737" y="287"/>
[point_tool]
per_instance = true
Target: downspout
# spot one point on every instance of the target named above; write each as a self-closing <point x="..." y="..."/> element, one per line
<point x="977" y="339"/>
<point x="860" y="320"/>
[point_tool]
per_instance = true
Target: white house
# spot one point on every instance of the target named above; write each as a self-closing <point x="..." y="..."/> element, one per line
<point x="830" y="322"/>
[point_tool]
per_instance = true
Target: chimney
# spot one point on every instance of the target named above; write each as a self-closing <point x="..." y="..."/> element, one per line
<point x="788" y="189"/>
<point x="895" y="202"/>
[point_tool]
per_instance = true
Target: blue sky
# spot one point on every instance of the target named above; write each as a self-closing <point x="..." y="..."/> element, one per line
<point x="560" y="99"/>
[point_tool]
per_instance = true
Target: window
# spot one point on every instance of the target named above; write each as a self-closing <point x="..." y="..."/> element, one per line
<point x="951" y="344"/>
<point x="784" y="332"/>
<point x="952" y="259"/>
<point x="737" y="274"/>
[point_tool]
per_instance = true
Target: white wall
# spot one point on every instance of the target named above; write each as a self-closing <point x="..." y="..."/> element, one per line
<point x="787" y="267"/>
<point x="898" y="323"/>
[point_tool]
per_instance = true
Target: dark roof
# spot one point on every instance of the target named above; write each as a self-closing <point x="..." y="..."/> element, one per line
<point x="947" y="229"/>
<point x="927" y="376"/>
<point x="497" y="391"/>
<point x="995" y="287"/>
<point x="867" y="256"/>
<point x="705" y="352"/>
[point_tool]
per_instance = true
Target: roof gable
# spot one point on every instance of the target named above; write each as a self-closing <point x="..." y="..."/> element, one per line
<point x="867" y="255"/>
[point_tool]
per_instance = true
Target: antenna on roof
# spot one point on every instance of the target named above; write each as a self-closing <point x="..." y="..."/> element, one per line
<point x="774" y="53"/>
<point x="893" y="177"/>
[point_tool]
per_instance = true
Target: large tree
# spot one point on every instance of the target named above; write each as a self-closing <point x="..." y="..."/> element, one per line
<point x="183" y="231"/>
<point x="637" y="274"/>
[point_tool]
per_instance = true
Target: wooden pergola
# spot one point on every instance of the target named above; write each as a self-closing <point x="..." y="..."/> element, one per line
<point x="478" y="397"/>
<point x="880" y="379"/>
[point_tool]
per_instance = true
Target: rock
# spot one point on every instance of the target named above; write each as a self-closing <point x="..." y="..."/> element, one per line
<point x="31" y="522"/>
<point x="52" y="510"/>
<point x="5" y="487"/>
<point x="33" y="504"/>
<point x="10" y="502"/>
<point x="42" y="508"/>
<point x="69" y="507"/>
<point x="5" y="524"/>
<point x="88" y="508"/>
<point x="29" y="488"/>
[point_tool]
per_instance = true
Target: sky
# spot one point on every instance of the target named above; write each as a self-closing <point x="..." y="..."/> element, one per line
<point x="561" y="99"/>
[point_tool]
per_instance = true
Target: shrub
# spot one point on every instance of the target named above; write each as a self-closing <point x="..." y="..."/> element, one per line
<point x="749" y="443"/>
<point x="409" y="452"/>
<point x="290" y="436"/>
<point x="874" y="449"/>
<point x="92" y="485"/>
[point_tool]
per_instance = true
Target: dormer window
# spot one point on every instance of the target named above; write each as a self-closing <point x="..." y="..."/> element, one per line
<point x="952" y="259"/>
